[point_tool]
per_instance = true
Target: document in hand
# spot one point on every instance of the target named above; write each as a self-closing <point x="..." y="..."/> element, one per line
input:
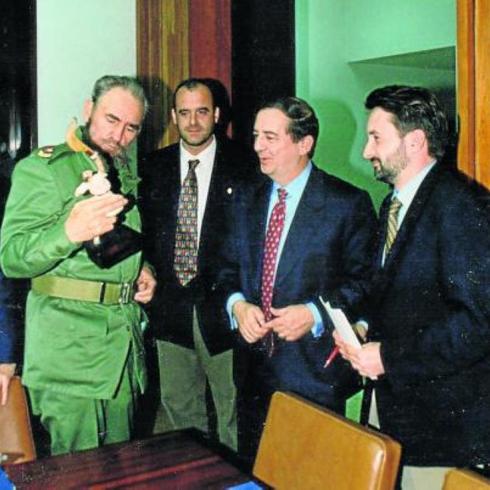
<point x="341" y="324"/>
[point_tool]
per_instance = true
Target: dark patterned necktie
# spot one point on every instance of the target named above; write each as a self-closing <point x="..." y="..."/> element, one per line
<point x="392" y="226"/>
<point x="185" y="253"/>
<point x="272" y="239"/>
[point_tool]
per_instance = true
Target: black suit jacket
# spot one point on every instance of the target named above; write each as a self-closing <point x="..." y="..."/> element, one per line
<point x="327" y="252"/>
<point x="430" y="309"/>
<point x="172" y="307"/>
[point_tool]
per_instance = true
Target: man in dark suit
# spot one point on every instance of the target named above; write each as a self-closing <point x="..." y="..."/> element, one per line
<point x="8" y="321"/>
<point x="429" y="309"/>
<point x="193" y="337"/>
<point x="300" y="234"/>
<point x="7" y="339"/>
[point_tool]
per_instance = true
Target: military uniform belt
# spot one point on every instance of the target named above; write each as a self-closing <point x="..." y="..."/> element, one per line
<point x="107" y="293"/>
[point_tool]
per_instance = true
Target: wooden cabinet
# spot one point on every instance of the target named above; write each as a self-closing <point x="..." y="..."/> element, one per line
<point x="473" y="89"/>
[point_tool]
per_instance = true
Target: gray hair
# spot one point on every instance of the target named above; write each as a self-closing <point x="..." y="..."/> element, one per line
<point x="131" y="84"/>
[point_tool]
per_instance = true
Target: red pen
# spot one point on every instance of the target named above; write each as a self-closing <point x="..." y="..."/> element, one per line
<point x="332" y="356"/>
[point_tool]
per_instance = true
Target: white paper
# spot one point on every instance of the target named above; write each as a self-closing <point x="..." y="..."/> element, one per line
<point x="341" y="324"/>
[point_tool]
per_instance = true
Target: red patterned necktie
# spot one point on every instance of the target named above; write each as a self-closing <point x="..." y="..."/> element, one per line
<point x="185" y="253"/>
<point x="272" y="239"/>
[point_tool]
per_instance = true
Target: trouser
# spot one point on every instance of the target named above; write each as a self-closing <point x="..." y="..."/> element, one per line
<point x="76" y="423"/>
<point x="183" y="375"/>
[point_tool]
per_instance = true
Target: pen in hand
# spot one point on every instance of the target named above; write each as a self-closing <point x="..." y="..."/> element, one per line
<point x="332" y="356"/>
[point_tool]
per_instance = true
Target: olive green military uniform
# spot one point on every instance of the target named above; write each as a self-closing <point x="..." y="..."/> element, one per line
<point x="84" y="357"/>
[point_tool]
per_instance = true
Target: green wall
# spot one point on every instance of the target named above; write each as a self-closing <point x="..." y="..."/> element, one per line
<point x="346" y="48"/>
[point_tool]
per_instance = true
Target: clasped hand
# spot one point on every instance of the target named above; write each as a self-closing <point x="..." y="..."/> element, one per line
<point x="289" y="323"/>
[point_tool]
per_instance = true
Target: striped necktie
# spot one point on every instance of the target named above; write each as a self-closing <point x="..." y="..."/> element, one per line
<point x="392" y="228"/>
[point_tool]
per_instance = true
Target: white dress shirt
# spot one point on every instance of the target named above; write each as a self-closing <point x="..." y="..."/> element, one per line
<point x="203" y="174"/>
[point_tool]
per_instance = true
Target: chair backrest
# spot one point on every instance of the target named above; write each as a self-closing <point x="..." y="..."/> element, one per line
<point x="306" y="446"/>
<point x="16" y="441"/>
<point x="465" y="480"/>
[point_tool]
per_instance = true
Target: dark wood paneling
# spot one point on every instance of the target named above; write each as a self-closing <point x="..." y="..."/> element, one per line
<point x="474" y="89"/>
<point x="18" y="113"/>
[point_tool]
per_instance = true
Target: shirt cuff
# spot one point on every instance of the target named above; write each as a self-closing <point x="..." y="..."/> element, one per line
<point x="229" y="308"/>
<point x="318" y="328"/>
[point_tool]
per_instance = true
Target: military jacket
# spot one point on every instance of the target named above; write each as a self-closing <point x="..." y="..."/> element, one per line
<point x="71" y="346"/>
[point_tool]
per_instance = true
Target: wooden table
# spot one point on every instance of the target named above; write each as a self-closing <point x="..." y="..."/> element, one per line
<point x="177" y="460"/>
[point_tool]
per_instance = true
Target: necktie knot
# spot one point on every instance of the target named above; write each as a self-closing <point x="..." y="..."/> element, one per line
<point x="395" y="206"/>
<point x="192" y="165"/>
<point x="282" y="194"/>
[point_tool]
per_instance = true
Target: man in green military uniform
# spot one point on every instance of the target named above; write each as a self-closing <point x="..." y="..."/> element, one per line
<point x="84" y="359"/>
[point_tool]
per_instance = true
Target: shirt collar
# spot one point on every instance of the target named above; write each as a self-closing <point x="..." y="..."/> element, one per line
<point x="296" y="186"/>
<point x="407" y="193"/>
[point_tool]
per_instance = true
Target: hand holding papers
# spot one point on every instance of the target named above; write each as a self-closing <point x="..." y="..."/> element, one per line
<point x="365" y="359"/>
<point x="342" y="326"/>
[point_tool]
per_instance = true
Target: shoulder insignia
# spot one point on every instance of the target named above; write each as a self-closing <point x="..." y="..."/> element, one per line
<point x="46" y="151"/>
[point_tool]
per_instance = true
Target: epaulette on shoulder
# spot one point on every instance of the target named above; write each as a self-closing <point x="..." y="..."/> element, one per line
<point x="51" y="152"/>
<point x="46" y="151"/>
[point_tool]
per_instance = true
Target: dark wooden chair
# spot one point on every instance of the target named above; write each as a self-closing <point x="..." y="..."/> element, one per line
<point x="16" y="440"/>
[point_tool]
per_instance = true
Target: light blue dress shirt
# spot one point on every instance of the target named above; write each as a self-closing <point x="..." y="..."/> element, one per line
<point x="294" y="190"/>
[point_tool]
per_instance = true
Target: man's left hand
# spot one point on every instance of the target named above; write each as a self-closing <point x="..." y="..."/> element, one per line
<point x="146" y="285"/>
<point x="292" y="322"/>
<point x="6" y="373"/>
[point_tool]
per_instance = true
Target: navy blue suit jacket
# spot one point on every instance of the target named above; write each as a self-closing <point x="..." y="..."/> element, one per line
<point x="8" y="320"/>
<point x="172" y="307"/>
<point x="7" y="323"/>
<point x="327" y="253"/>
<point x="430" y="308"/>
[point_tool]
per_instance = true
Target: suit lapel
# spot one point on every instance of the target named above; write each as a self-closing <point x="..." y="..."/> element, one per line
<point x="257" y="224"/>
<point x="407" y="228"/>
<point x="212" y="222"/>
<point x="302" y="227"/>
<point x="173" y="184"/>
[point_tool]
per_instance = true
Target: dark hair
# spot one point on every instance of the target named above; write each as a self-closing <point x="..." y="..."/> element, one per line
<point x="131" y="84"/>
<point x="192" y="83"/>
<point x="302" y="118"/>
<point x="413" y="108"/>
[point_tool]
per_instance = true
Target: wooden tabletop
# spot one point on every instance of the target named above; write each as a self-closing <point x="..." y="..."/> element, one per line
<point x="177" y="460"/>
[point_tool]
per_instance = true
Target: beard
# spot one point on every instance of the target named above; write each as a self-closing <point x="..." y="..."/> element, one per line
<point x="122" y="154"/>
<point x="390" y="168"/>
